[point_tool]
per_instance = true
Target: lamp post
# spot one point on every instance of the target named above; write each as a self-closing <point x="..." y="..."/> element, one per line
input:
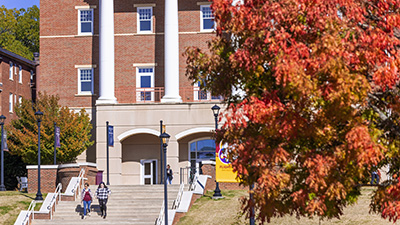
<point x="215" y="109"/>
<point x="165" y="139"/>
<point x="39" y="116"/>
<point x="2" y="187"/>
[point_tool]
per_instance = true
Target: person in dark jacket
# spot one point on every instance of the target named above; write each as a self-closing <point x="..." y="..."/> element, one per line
<point x="102" y="194"/>
<point x="169" y="174"/>
<point x="86" y="199"/>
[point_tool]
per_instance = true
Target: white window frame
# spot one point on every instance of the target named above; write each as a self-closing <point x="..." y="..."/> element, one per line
<point x="202" y="20"/>
<point x="20" y="99"/>
<point x="79" y="81"/>
<point x="11" y="72"/>
<point x="196" y="90"/>
<point x="139" y="89"/>
<point x="20" y="74"/>
<point x="142" y="176"/>
<point x="80" y="23"/>
<point x="10" y="103"/>
<point x="138" y="20"/>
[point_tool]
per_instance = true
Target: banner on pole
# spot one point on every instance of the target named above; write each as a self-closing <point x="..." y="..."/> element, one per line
<point x="58" y="145"/>
<point x="5" y="146"/>
<point x="223" y="168"/>
<point x="111" y="136"/>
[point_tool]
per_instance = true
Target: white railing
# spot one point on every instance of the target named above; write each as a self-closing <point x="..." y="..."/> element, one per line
<point x="160" y="219"/>
<point x="80" y="183"/>
<point x="194" y="183"/>
<point x="28" y="214"/>
<point x="178" y="197"/>
<point x="57" y="194"/>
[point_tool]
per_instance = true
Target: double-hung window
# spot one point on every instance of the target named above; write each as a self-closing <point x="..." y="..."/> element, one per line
<point x="85" y="76"/>
<point x="145" y="84"/>
<point x="206" y="18"/>
<point x="10" y="76"/>
<point x="20" y="74"/>
<point x="10" y="103"/>
<point x="201" y="95"/>
<point x="85" y="21"/>
<point x="145" y="21"/>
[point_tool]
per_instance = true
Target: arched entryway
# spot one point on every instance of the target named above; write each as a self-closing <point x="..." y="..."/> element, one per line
<point x="141" y="159"/>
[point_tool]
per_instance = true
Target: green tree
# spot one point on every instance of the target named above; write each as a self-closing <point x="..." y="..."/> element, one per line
<point x="23" y="132"/>
<point x="19" y="30"/>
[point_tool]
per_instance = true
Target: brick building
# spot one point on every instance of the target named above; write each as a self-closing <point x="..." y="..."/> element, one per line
<point x="17" y="82"/>
<point x="122" y="61"/>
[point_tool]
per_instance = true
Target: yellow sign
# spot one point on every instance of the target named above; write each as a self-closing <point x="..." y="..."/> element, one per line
<point x="223" y="168"/>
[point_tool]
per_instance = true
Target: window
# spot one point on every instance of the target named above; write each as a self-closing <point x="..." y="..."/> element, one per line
<point x="20" y="74"/>
<point x="207" y="18"/>
<point x="10" y="76"/>
<point x="31" y="77"/>
<point x="201" y="95"/>
<point x="85" y="85"/>
<point x="85" y="21"/>
<point x="201" y="150"/>
<point x="20" y="100"/>
<point x="10" y="103"/>
<point x="145" y="22"/>
<point x="145" y="84"/>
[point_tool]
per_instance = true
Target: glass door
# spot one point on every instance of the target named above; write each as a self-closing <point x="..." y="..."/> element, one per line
<point x="149" y="171"/>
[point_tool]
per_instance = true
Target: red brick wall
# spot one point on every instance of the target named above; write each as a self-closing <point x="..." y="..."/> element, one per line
<point x="61" y="49"/>
<point x="48" y="179"/>
<point x="13" y="86"/>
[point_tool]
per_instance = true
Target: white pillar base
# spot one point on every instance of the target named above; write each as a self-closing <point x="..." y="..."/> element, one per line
<point x="106" y="101"/>
<point x="171" y="99"/>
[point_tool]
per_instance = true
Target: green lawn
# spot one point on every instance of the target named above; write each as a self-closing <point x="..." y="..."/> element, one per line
<point x="227" y="211"/>
<point x="11" y="204"/>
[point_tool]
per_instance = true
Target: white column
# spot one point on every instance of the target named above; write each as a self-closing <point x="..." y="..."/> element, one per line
<point x="171" y="53"/>
<point x="107" y="59"/>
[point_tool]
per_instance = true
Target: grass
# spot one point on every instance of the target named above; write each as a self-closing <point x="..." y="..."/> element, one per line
<point x="227" y="211"/>
<point x="11" y="204"/>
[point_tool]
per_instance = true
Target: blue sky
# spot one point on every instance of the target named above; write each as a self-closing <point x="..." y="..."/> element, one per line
<point x="10" y="4"/>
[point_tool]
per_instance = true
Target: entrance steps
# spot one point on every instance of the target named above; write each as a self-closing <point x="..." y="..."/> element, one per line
<point x="128" y="204"/>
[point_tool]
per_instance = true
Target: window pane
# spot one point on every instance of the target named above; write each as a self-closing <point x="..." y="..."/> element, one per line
<point x="145" y="70"/>
<point x="86" y="15"/>
<point x="86" y="27"/>
<point x="86" y="86"/>
<point x="145" y="81"/>
<point x="206" y="155"/>
<point x="145" y="25"/>
<point x="207" y="13"/>
<point x="145" y="96"/>
<point x="193" y="147"/>
<point x="208" y="24"/>
<point x="206" y="145"/>
<point x="86" y="75"/>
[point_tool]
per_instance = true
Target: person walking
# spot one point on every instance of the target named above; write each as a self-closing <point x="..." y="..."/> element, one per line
<point x="102" y="194"/>
<point x="86" y="199"/>
<point x="169" y="174"/>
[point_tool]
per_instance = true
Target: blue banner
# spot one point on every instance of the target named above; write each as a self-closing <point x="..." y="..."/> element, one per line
<point x="58" y="145"/>
<point x="110" y="136"/>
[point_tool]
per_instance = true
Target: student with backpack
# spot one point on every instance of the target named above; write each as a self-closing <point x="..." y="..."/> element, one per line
<point x="102" y="194"/>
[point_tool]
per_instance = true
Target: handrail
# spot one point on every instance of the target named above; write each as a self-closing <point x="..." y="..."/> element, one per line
<point x="80" y="185"/>
<point x="194" y="183"/>
<point x="160" y="219"/>
<point x="57" y="193"/>
<point x="178" y="199"/>
<point x="31" y="209"/>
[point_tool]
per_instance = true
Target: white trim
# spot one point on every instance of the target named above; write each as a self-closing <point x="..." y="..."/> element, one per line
<point x="86" y="7"/>
<point x="11" y="72"/>
<point x="10" y="103"/>
<point x="33" y="167"/>
<point x="193" y="131"/>
<point x="138" y="21"/>
<point x="86" y="66"/>
<point x="145" y="5"/>
<point x="59" y="36"/>
<point x="128" y="133"/>
<point x="79" y="22"/>
<point x="208" y="162"/>
<point x="144" y="65"/>
<point x="140" y="89"/>
<point x="87" y="164"/>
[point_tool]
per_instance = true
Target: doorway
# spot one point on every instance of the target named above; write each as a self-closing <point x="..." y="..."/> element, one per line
<point x="149" y="171"/>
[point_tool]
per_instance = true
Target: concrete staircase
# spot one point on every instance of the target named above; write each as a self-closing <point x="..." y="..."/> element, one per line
<point x="134" y="204"/>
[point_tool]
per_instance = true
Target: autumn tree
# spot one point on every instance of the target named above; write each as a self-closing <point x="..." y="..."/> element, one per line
<point x="19" y="30"/>
<point x="75" y="131"/>
<point x="301" y="79"/>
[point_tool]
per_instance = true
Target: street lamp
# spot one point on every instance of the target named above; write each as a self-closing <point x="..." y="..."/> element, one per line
<point x="165" y="139"/>
<point x="2" y="187"/>
<point x="39" y="116"/>
<point x="215" y="109"/>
